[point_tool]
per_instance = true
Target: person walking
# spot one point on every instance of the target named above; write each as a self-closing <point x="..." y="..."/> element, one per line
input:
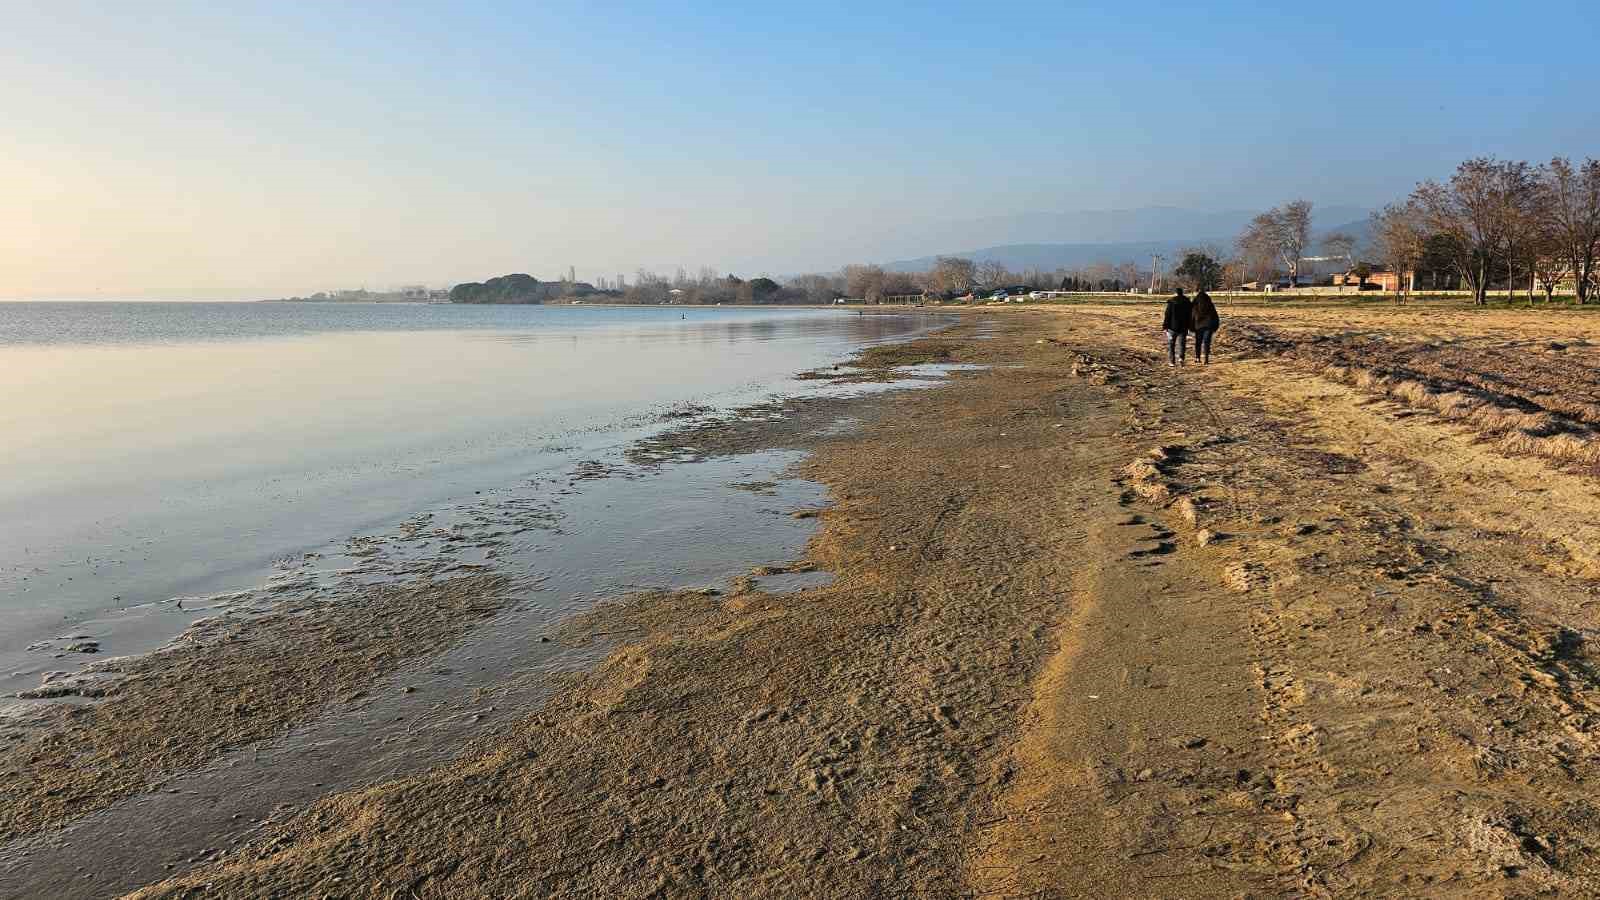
<point x="1176" y="323"/>
<point x="1205" y="322"/>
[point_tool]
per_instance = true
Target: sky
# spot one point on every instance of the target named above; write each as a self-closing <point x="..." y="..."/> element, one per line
<point x="239" y="151"/>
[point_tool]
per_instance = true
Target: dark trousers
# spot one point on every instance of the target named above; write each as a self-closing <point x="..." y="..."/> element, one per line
<point x="1177" y="346"/>
<point x="1202" y="343"/>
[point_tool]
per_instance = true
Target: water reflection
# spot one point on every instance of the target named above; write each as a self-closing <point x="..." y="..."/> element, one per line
<point x="166" y="460"/>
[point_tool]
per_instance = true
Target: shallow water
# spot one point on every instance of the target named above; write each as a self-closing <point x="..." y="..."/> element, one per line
<point x="157" y="451"/>
<point x="596" y="529"/>
<point x="570" y="520"/>
<point x="680" y="525"/>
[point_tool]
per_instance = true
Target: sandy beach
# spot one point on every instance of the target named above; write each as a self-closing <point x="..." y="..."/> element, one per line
<point x="1316" y="620"/>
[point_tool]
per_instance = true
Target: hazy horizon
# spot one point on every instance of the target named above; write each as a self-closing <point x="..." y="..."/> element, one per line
<point x="249" y="152"/>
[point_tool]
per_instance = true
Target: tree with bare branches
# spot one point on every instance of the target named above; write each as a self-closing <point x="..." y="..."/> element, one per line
<point x="1280" y="233"/>
<point x="865" y="282"/>
<point x="1399" y="237"/>
<point x="992" y="273"/>
<point x="1472" y="213"/>
<point x="952" y="274"/>
<point x="1550" y="268"/>
<point x="1570" y="206"/>
<point x="1519" y="225"/>
<point x="1124" y="276"/>
<point x="818" y="288"/>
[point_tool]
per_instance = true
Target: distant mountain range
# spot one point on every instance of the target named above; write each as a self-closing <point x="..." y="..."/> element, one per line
<point x="1115" y="236"/>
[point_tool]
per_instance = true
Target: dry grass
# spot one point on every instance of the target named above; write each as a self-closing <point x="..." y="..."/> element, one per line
<point x="1534" y="398"/>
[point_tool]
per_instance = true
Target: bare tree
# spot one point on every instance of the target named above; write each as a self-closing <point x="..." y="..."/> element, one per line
<point x="1570" y="207"/>
<point x="1399" y="238"/>
<point x="1550" y="266"/>
<point x="1519" y="223"/>
<point x="1124" y="276"/>
<point x="1470" y="215"/>
<point x="1234" y="272"/>
<point x="865" y="282"/>
<point x="1257" y="263"/>
<point x="953" y="274"/>
<point x="901" y="283"/>
<point x="819" y="288"/>
<point x="992" y="273"/>
<point x="1280" y="233"/>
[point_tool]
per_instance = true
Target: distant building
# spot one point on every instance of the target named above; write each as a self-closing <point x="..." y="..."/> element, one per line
<point x="1321" y="269"/>
<point x="1269" y="285"/>
<point x="1391" y="281"/>
<point x="1375" y="280"/>
<point x="1382" y="278"/>
<point x="1568" y="284"/>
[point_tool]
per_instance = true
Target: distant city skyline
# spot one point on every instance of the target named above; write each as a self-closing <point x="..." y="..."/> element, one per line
<point x="241" y="151"/>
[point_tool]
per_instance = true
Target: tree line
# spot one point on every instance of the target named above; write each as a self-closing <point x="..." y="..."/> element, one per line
<point x="950" y="277"/>
<point x="953" y="277"/>
<point x="1492" y="222"/>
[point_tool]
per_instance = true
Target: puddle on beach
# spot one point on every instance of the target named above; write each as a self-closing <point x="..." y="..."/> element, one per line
<point x="938" y="370"/>
<point x="595" y="527"/>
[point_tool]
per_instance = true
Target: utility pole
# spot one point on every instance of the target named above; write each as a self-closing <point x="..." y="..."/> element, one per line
<point x="1155" y="266"/>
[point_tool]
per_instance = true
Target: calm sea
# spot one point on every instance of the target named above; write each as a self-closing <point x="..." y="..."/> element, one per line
<point x="156" y="450"/>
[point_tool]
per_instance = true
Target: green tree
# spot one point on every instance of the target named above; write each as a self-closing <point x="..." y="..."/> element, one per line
<point x="1199" y="271"/>
<point x="759" y="290"/>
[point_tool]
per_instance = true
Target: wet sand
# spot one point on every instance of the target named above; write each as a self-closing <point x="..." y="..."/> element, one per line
<point x="1095" y="627"/>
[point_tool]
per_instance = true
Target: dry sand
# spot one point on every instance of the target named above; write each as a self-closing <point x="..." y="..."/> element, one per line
<point x="1099" y="628"/>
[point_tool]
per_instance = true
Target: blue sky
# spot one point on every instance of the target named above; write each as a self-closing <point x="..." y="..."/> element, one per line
<point x="242" y="150"/>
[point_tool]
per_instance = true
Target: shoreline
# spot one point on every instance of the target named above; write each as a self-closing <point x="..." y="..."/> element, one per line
<point x="1094" y="625"/>
<point x="241" y="520"/>
<point x="151" y="725"/>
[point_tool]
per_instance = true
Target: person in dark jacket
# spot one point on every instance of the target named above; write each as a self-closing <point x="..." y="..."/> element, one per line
<point x="1176" y="322"/>
<point x="1205" y="323"/>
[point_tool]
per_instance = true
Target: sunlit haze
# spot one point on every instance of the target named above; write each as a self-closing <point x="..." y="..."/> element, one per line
<point x="236" y="151"/>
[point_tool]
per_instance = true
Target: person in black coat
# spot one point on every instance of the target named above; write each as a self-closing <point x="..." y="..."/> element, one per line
<point x="1179" y="315"/>
<point x="1206" y="322"/>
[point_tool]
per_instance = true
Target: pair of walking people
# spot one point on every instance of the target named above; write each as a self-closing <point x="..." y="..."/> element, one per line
<point x="1183" y="316"/>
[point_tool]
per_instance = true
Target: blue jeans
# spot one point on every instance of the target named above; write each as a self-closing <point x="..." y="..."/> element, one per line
<point x="1202" y="343"/>
<point x="1177" y="346"/>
